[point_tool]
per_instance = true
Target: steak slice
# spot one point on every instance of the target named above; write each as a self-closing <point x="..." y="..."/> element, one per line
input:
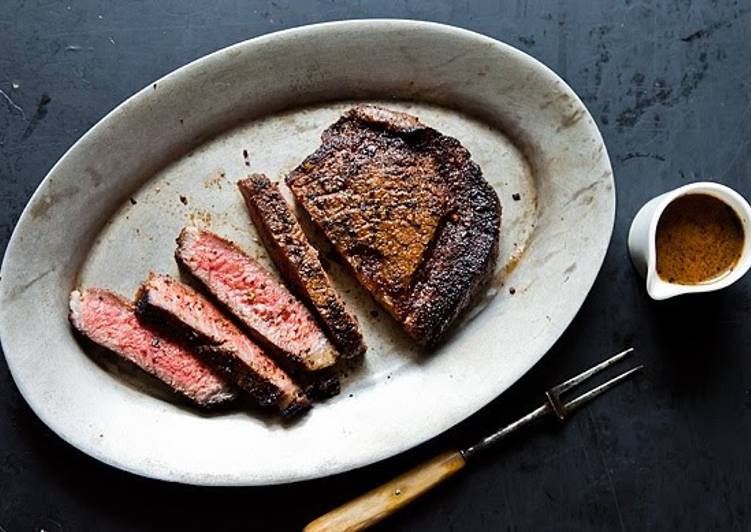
<point x="273" y="316"/>
<point x="299" y="263"/>
<point x="163" y="298"/>
<point x="110" y="321"/>
<point x="409" y="212"/>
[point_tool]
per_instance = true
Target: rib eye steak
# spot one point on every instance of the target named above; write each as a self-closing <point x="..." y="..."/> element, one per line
<point x="165" y="299"/>
<point x="275" y="318"/>
<point x="298" y="262"/>
<point x="110" y="321"/>
<point x="408" y="211"/>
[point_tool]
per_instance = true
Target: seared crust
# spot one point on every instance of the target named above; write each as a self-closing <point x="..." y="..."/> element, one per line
<point x="298" y="262"/>
<point x="408" y="210"/>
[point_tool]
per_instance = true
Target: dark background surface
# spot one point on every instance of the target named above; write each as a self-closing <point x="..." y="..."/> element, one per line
<point x="668" y="82"/>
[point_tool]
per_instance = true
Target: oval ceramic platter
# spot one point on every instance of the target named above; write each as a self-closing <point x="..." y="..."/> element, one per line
<point x="110" y="209"/>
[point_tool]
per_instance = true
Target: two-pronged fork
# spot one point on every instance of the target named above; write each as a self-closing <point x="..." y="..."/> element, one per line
<point x="379" y="503"/>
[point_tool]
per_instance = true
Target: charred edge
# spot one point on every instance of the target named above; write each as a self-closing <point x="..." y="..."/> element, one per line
<point x="432" y="330"/>
<point x="341" y="326"/>
<point x="473" y="294"/>
<point x="296" y="408"/>
<point x="321" y="385"/>
<point x="153" y="316"/>
<point x="343" y="330"/>
<point x="255" y="183"/>
<point x="179" y="241"/>
<point x="264" y="393"/>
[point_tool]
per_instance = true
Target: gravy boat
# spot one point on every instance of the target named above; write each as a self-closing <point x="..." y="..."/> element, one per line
<point x="642" y="240"/>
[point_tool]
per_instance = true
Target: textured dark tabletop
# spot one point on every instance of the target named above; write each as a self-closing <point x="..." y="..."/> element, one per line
<point x="668" y="82"/>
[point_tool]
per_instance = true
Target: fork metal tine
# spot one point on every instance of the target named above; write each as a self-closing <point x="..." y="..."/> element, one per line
<point x="598" y="390"/>
<point x="553" y="404"/>
<point x="573" y="381"/>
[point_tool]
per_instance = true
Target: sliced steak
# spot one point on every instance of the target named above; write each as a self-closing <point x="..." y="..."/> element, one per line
<point x="163" y="298"/>
<point x="273" y="316"/>
<point x="110" y="321"/>
<point x="299" y="263"/>
<point x="409" y="212"/>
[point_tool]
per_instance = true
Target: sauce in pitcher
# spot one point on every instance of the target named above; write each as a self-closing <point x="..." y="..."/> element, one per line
<point x="699" y="240"/>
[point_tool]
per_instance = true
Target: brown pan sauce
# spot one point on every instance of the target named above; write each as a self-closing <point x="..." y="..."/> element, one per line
<point x="699" y="240"/>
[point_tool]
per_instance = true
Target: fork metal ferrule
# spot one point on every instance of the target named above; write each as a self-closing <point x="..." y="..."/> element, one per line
<point x="556" y="405"/>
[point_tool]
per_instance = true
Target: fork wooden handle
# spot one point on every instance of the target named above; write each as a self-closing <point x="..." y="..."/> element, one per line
<point x="379" y="503"/>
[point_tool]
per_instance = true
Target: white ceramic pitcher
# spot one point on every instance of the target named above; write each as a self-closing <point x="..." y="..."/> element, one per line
<point x="642" y="245"/>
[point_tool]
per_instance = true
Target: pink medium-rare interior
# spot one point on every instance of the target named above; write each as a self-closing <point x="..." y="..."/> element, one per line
<point x="197" y="313"/>
<point x="110" y="321"/>
<point x="251" y="291"/>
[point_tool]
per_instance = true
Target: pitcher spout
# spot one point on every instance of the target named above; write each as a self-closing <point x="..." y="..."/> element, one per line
<point x="659" y="289"/>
